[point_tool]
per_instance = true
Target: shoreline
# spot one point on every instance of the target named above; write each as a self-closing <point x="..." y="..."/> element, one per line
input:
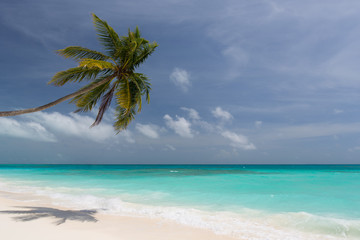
<point x="26" y="217"/>
<point x="171" y="203"/>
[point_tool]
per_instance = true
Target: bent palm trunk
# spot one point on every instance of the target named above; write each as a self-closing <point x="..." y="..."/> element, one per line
<point x="51" y="104"/>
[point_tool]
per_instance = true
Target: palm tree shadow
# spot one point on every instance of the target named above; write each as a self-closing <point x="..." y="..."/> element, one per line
<point x="34" y="213"/>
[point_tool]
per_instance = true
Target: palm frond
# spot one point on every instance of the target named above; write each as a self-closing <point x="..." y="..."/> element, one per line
<point x="128" y="97"/>
<point x="146" y="51"/>
<point x="137" y="32"/>
<point x="76" y="74"/>
<point x="143" y="83"/>
<point x="129" y="45"/>
<point x="123" y="118"/>
<point x="77" y="53"/>
<point x="85" y="102"/>
<point x="105" y="104"/>
<point x="137" y="95"/>
<point x="107" y="36"/>
<point x="135" y="50"/>
<point x="96" y="64"/>
<point x="123" y="94"/>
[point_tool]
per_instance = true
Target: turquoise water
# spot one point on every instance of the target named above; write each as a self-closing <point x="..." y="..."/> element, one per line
<point x="270" y="201"/>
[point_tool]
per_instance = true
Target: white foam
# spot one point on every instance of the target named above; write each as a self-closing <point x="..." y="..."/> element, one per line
<point x="249" y="224"/>
<point x="224" y="223"/>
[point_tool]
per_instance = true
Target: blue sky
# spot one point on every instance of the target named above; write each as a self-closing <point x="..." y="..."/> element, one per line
<point x="234" y="81"/>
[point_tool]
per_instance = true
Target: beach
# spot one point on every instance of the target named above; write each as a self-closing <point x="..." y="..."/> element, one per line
<point x="105" y="227"/>
<point x="179" y="202"/>
<point x="179" y="120"/>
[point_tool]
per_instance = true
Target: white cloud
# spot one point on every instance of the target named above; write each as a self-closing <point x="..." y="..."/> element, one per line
<point x="148" y="130"/>
<point x="196" y="119"/>
<point x="193" y="114"/>
<point x="127" y="134"/>
<point x="169" y="147"/>
<point x="28" y="130"/>
<point x="181" y="126"/>
<point x="181" y="78"/>
<point x="221" y="114"/>
<point x="238" y="140"/>
<point x="258" y="124"/>
<point x="338" y="111"/>
<point x="73" y="125"/>
<point x="43" y="126"/>
<point x="237" y="58"/>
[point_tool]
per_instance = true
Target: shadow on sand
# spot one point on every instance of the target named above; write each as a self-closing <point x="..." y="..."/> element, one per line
<point x="33" y="213"/>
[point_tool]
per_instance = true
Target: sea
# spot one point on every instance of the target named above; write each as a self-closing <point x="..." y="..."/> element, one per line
<point x="255" y="202"/>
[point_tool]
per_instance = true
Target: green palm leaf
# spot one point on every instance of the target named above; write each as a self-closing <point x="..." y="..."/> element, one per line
<point x="77" y="53"/>
<point x="105" y="104"/>
<point x="146" y="51"/>
<point x="96" y="64"/>
<point x="76" y="74"/>
<point x="123" y="94"/>
<point x="123" y="118"/>
<point x="85" y="102"/>
<point x="143" y="82"/>
<point x="107" y="36"/>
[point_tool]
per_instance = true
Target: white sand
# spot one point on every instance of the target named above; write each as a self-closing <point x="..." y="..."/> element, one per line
<point x="107" y="227"/>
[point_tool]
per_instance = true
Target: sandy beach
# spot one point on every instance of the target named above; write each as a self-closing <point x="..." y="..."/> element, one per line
<point x="22" y="217"/>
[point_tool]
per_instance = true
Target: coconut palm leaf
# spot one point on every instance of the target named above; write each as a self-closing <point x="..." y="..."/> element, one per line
<point x="87" y="101"/>
<point x="105" y="104"/>
<point x="76" y="74"/>
<point x="144" y="84"/>
<point x="123" y="94"/>
<point x="96" y="64"/>
<point x="77" y="53"/>
<point x="146" y="51"/>
<point x="123" y="118"/>
<point x="106" y="35"/>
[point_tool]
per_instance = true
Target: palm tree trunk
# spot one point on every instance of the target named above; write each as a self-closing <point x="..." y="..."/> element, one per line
<point x="51" y="104"/>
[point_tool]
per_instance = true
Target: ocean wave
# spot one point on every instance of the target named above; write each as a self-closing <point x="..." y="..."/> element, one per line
<point x="286" y="226"/>
<point x="249" y="224"/>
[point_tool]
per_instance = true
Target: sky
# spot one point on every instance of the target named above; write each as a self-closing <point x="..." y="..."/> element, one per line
<point x="233" y="82"/>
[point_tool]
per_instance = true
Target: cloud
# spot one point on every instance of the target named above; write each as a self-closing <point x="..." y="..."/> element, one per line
<point x="181" y="126"/>
<point x="73" y="125"/>
<point x="43" y="126"/>
<point x="258" y="124"/>
<point x="289" y="41"/>
<point x="313" y="130"/>
<point x="28" y="130"/>
<point x="193" y="114"/>
<point x="221" y="114"/>
<point x="237" y="58"/>
<point x="338" y="111"/>
<point x="181" y="78"/>
<point x="127" y="134"/>
<point x="238" y="140"/>
<point x="196" y="119"/>
<point x="148" y="130"/>
<point x="169" y="147"/>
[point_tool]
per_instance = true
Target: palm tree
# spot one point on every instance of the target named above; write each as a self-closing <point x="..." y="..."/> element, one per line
<point x="112" y="75"/>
